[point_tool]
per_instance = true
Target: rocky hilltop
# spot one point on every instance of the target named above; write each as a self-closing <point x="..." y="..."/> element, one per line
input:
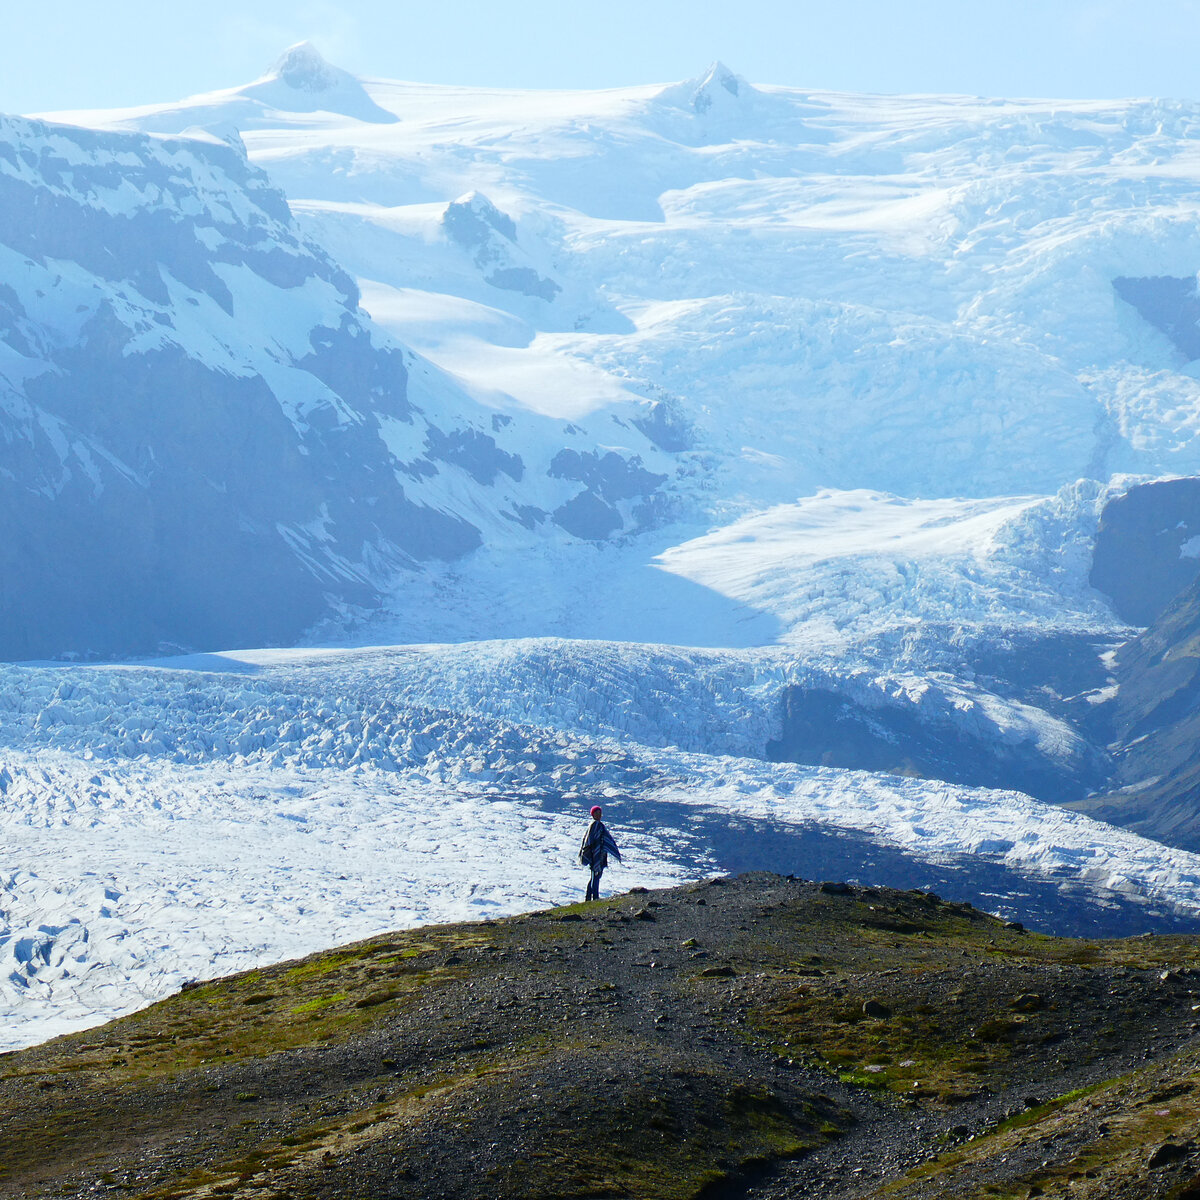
<point x="759" y="1037"/>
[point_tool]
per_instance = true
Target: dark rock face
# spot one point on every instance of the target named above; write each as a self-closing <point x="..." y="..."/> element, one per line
<point x="490" y="237"/>
<point x="666" y="427"/>
<point x="1155" y="717"/>
<point x="476" y="453"/>
<point x="162" y="479"/>
<point x="1148" y="548"/>
<point x="587" y="517"/>
<point x="1170" y="303"/>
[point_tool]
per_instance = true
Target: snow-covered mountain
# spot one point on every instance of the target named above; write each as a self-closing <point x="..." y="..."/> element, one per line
<point x="772" y="465"/>
<point x="922" y="298"/>
<point x="207" y="442"/>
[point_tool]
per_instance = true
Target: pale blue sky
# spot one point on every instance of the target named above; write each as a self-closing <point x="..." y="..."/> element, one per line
<point x="79" y="53"/>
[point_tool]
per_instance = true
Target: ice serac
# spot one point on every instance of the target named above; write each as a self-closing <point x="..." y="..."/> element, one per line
<point x="191" y="406"/>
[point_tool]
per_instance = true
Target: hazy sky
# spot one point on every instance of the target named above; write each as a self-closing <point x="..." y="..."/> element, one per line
<point x="80" y="53"/>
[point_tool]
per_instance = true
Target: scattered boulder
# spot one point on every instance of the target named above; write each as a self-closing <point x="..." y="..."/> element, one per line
<point x="832" y="888"/>
<point x="718" y="973"/>
<point x="876" y="1010"/>
<point x="1166" y="1154"/>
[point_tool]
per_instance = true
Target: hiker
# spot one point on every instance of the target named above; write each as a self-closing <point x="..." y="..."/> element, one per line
<point x="597" y="845"/>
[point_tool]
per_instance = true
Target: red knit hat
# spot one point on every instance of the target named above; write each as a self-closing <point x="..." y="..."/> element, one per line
<point x="595" y="810"/>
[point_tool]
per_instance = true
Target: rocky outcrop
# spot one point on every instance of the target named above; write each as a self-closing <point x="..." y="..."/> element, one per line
<point x="1148" y="548"/>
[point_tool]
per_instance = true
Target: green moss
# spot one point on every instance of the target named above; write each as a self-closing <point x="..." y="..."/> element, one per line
<point x="318" y="1003"/>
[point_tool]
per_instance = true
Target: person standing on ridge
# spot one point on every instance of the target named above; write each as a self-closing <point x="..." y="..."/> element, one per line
<point x="597" y="845"/>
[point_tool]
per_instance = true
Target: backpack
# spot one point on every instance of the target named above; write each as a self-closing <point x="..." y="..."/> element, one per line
<point x="590" y="848"/>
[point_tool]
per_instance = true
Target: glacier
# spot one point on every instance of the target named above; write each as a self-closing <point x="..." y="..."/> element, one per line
<point x="501" y="452"/>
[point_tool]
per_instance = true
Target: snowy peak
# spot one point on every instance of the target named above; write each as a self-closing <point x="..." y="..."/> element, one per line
<point x="472" y="219"/>
<point x="717" y="90"/>
<point x="304" y="68"/>
<point x="302" y="81"/>
<point x="719" y="79"/>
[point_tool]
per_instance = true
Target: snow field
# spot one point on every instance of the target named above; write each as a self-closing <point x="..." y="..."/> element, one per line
<point x="136" y="877"/>
<point x="200" y="816"/>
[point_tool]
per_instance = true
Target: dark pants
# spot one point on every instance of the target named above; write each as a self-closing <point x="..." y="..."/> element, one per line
<point x="593" y="887"/>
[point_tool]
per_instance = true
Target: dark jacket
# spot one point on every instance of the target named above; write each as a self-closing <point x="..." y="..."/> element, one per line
<point x="596" y="846"/>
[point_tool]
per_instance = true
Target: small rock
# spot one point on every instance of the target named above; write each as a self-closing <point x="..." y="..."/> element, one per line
<point x="876" y="1010"/>
<point x="718" y="973"/>
<point x="638" y="891"/>
<point x="958" y="1131"/>
<point x="835" y="888"/>
<point x="690" y="942"/>
<point x="570" y="917"/>
<point x="1167" y="1153"/>
<point x="452" y="960"/>
<point x="1028" y="1002"/>
<point x="1032" y="1102"/>
<point x="702" y="901"/>
<point x="643" y="914"/>
<point x="1169" y="978"/>
<point x="1015" y="926"/>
